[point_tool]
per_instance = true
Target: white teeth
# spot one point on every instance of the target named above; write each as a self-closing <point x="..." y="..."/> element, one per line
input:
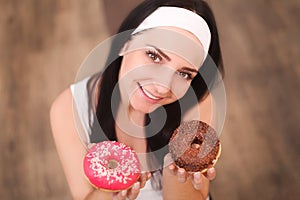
<point x="149" y="94"/>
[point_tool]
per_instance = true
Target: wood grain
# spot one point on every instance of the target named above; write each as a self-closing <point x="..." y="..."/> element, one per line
<point x="44" y="42"/>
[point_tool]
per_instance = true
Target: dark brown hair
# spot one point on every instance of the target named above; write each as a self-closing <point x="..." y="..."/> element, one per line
<point x="109" y="78"/>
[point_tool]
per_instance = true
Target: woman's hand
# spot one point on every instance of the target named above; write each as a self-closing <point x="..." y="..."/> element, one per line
<point x="198" y="179"/>
<point x="133" y="192"/>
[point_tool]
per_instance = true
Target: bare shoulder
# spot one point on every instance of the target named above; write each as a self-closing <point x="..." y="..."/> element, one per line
<point x="61" y="115"/>
<point x="62" y="102"/>
<point x="202" y="111"/>
<point x="206" y="110"/>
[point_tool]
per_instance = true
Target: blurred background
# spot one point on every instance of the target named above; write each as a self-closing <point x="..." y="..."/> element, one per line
<point x="42" y="44"/>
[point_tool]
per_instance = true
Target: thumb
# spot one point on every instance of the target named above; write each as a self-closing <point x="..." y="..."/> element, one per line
<point x="168" y="160"/>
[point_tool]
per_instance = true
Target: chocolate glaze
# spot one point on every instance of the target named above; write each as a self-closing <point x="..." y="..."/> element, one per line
<point x="194" y="146"/>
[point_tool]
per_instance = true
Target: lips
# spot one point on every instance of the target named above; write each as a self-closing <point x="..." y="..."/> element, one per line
<point x="148" y="94"/>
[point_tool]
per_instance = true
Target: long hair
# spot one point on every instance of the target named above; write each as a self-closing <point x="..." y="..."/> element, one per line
<point x="109" y="78"/>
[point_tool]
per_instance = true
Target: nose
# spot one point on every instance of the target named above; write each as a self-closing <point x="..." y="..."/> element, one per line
<point x="163" y="82"/>
<point x="162" y="90"/>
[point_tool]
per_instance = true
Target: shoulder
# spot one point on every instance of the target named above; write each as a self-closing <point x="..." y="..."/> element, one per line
<point x="205" y="106"/>
<point x="61" y="117"/>
<point x="61" y="104"/>
<point x="202" y="111"/>
<point x="63" y="98"/>
<point x="77" y="92"/>
<point x="206" y="110"/>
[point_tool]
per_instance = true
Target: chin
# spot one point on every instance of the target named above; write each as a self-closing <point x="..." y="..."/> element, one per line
<point x="152" y="109"/>
<point x="145" y="109"/>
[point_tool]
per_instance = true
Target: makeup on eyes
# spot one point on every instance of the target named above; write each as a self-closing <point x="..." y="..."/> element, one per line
<point x="157" y="55"/>
<point x="185" y="75"/>
<point x="160" y="52"/>
<point x="154" y="55"/>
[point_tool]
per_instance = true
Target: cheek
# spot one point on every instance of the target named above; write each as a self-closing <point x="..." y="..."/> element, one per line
<point x="125" y="67"/>
<point x="180" y="88"/>
<point x="131" y="61"/>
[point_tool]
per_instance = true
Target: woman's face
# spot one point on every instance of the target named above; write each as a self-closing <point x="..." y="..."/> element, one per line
<point x="152" y="74"/>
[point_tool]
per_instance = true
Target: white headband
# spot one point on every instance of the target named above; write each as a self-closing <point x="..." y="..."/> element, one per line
<point x="181" y="18"/>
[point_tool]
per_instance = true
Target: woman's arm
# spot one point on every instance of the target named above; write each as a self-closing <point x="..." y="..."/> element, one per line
<point x="177" y="183"/>
<point x="69" y="147"/>
<point x="71" y="152"/>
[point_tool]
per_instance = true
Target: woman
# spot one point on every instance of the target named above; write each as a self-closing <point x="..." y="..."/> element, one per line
<point x="148" y="87"/>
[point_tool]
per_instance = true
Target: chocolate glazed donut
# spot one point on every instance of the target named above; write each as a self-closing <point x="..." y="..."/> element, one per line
<point x="195" y="146"/>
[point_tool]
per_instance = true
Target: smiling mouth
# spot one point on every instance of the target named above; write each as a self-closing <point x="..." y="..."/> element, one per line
<point x="148" y="94"/>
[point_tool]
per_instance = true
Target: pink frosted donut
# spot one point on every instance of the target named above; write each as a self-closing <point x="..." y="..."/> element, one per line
<point x="111" y="166"/>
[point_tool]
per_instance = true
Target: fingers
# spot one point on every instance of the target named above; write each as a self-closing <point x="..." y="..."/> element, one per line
<point x="179" y="172"/>
<point x="173" y="169"/>
<point x="120" y="195"/>
<point x="134" y="191"/>
<point x="130" y="194"/>
<point x="181" y="175"/>
<point x="145" y="176"/>
<point x="168" y="159"/>
<point x="211" y="174"/>
<point x="197" y="180"/>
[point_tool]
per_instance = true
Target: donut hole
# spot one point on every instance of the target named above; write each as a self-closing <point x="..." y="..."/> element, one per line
<point x="112" y="164"/>
<point x="196" y="144"/>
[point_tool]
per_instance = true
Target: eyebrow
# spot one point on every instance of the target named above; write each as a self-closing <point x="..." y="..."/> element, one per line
<point x="160" y="52"/>
<point x="190" y="69"/>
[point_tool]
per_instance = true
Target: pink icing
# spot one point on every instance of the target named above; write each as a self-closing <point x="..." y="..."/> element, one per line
<point x="122" y="176"/>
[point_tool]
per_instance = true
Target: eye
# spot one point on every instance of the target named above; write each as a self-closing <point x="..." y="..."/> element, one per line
<point x="185" y="75"/>
<point x="154" y="56"/>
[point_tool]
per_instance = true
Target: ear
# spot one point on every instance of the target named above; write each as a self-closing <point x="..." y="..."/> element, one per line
<point x="124" y="49"/>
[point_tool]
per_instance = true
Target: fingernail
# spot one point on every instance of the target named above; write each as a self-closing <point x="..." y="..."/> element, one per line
<point x="171" y="167"/>
<point x="124" y="192"/>
<point x="136" y="186"/>
<point x="181" y="171"/>
<point x="211" y="170"/>
<point x="197" y="187"/>
<point x="197" y="175"/>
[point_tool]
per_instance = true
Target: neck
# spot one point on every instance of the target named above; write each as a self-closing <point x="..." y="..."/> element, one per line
<point x="130" y="121"/>
<point x="130" y="129"/>
<point x="136" y="117"/>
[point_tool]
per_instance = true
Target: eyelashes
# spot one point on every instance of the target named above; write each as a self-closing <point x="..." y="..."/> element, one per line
<point x="185" y="75"/>
<point x="156" y="58"/>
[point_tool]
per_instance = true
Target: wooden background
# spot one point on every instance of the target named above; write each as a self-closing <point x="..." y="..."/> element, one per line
<point x="42" y="44"/>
